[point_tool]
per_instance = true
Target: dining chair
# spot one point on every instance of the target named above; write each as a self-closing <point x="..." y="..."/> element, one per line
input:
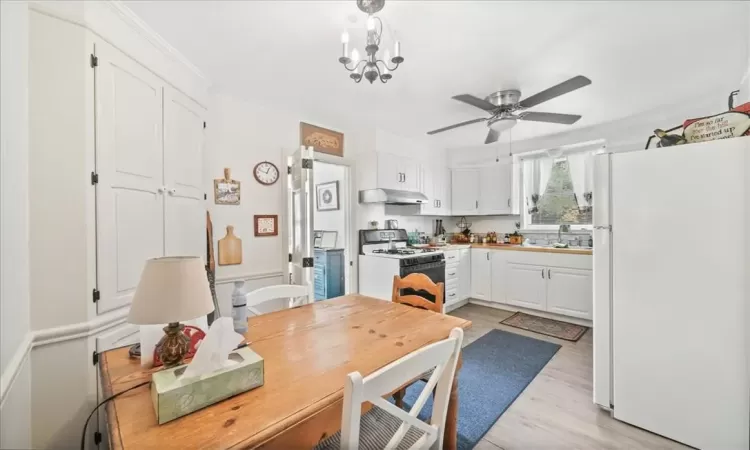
<point x="386" y="425"/>
<point x="416" y="282"/>
<point x="292" y="292"/>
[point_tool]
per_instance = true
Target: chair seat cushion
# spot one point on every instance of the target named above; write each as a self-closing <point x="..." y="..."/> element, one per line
<point x="377" y="427"/>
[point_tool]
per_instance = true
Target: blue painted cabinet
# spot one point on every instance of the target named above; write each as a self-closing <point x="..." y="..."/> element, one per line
<point x="329" y="273"/>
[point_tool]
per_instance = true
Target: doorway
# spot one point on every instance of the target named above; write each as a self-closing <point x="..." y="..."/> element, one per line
<point x="331" y="229"/>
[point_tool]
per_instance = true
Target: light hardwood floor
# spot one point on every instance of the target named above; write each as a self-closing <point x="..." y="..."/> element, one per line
<point x="556" y="410"/>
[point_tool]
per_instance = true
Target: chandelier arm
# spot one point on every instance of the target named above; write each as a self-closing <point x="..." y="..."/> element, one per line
<point x="356" y="66"/>
<point x="380" y="75"/>
<point x="386" y="65"/>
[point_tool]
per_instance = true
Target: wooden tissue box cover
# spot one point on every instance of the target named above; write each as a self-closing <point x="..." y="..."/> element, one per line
<point x="175" y="398"/>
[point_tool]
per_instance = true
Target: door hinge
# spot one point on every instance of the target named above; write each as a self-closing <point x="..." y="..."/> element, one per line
<point x="94" y="61"/>
<point x="97" y="438"/>
<point x="94" y="178"/>
<point x="95" y="358"/>
<point x="308" y="262"/>
<point x="96" y="295"/>
<point x="290" y="257"/>
<point x="307" y="163"/>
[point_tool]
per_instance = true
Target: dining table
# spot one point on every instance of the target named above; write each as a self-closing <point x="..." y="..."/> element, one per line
<point x="308" y="352"/>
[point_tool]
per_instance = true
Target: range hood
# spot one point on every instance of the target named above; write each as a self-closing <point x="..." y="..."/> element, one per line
<point x="391" y="197"/>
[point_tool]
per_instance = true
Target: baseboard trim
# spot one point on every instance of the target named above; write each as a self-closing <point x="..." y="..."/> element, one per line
<point x="39" y="338"/>
<point x="248" y="277"/>
<point x="533" y="312"/>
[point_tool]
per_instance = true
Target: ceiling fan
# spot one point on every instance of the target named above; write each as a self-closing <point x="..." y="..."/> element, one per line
<point x="506" y="109"/>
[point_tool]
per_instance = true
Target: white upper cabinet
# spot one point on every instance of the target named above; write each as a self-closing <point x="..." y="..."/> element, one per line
<point x="129" y="164"/>
<point x="397" y="172"/>
<point x="435" y="184"/>
<point x="465" y="192"/>
<point x="184" y="215"/>
<point x="485" y="191"/>
<point x="495" y="189"/>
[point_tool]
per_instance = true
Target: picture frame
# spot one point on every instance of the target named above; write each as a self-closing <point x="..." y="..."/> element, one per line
<point x="226" y="190"/>
<point x="327" y="196"/>
<point x="266" y="225"/>
<point x="321" y="139"/>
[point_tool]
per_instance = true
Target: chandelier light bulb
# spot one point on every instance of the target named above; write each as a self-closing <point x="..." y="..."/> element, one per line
<point x="355" y="56"/>
<point x="345" y="37"/>
<point x="370" y="23"/>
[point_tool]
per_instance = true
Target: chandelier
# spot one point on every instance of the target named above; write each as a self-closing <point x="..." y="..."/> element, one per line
<point x="370" y="67"/>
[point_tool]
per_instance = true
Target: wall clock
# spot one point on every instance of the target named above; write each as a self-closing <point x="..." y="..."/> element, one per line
<point x="266" y="173"/>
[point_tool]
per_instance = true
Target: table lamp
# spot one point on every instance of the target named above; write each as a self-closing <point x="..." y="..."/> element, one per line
<point x="172" y="289"/>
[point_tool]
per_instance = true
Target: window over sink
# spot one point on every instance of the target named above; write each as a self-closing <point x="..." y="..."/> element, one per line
<point x="558" y="191"/>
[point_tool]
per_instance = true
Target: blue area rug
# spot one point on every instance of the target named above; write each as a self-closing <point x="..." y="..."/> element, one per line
<point x="497" y="367"/>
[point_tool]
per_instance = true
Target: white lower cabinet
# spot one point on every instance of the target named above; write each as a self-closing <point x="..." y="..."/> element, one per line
<point x="457" y="276"/>
<point x="481" y="280"/>
<point x="464" y="267"/>
<point x="551" y="282"/>
<point x="570" y="292"/>
<point x="527" y="286"/>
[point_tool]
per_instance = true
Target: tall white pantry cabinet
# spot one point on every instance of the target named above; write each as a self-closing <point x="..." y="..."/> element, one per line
<point x="116" y="136"/>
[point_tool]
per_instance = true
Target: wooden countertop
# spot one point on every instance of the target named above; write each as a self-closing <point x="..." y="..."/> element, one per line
<point x="519" y="248"/>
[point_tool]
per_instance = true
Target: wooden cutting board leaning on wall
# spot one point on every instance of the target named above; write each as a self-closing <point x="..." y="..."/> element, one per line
<point x="230" y="248"/>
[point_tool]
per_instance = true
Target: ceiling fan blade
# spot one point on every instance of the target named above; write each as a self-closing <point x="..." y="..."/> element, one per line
<point x="492" y="136"/>
<point x="450" y="127"/>
<point x="556" y="91"/>
<point x="475" y="101"/>
<point x="567" y="119"/>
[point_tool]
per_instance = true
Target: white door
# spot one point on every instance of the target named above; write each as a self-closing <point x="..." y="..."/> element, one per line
<point x="129" y="164"/>
<point x="569" y="292"/>
<point x="184" y="207"/>
<point x="527" y="285"/>
<point x="602" y="264"/>
<point x="464" y="191"/>
<point x="495" y="189"/>
<point x="680" y="315"/>
<point x="427" y="187"/>
<point x="464" y="271"/>
<point x="480" y="274"/>
<point x="499" y="276"/>
<point x="389" y="172"/>
<point x="410" y="174"/>
<point x="300" y="201"/>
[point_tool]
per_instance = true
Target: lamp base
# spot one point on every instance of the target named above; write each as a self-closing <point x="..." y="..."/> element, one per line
<point x="173" y="347"/>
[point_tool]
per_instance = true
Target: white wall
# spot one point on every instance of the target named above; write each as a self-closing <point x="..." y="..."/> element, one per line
<point x="14" y="233"/>
<point x="334" y="220"/>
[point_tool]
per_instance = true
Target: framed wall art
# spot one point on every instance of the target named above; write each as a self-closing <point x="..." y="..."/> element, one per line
<point x="266" y="225"/>
<point x="327" y="196"/>
<point x="226" y="190"/>
<point x="321" y="139"/>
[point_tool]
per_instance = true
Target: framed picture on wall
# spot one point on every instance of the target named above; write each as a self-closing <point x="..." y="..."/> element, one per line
<point x="266" y="225"/>
<point x="327" y="196"/>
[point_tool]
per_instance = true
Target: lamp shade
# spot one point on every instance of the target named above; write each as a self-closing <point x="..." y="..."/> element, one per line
<point x="171" y="289"/>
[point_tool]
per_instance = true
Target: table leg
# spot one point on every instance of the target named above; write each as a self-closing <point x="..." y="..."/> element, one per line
<point x="450" y="438"/>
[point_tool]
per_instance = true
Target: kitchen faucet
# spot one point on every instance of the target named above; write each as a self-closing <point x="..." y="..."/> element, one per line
<point x="563" y="228"/>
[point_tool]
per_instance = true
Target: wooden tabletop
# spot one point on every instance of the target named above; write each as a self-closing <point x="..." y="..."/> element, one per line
<point x="308" y="352"/>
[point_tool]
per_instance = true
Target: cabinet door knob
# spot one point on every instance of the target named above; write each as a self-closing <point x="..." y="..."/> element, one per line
<point x="508" y="203"/>
<point x="549" y="273"/>
<point x="172" y="191"/>
<point x="162" y="189"/>
<point x="542" y="273"/>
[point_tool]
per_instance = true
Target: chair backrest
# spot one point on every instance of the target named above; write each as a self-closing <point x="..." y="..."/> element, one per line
<point x="441" y="356"/>
<point x="418" y="282"/>
<point x="293" y="292"/>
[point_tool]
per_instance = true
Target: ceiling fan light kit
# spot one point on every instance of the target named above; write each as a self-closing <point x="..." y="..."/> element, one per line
<point x="507" y="108"/>
<point x="370" y="68"/>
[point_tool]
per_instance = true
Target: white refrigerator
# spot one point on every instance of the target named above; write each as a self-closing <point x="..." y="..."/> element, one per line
<point x="672" y="291"/>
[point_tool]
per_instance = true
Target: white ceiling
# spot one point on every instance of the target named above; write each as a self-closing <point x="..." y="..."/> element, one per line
<point x="639" y="55"/>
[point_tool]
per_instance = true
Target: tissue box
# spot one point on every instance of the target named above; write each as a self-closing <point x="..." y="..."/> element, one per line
<point x="174" y="397"/>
